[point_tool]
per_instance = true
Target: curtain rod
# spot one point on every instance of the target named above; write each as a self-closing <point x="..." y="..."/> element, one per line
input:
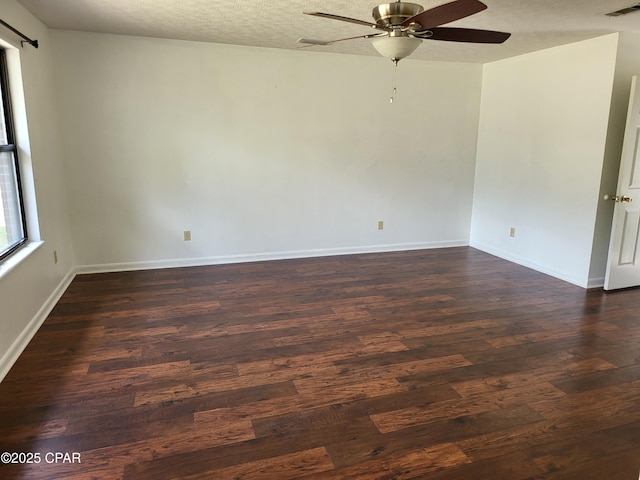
<point x="33" y="43"/>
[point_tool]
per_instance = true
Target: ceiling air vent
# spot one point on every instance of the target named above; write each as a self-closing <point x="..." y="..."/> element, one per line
<point x="624" y="11"/>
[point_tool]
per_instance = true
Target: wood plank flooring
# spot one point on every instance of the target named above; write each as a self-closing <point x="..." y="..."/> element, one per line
<point x="441" y="364"/>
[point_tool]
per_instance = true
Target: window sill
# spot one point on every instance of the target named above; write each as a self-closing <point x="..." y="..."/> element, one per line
<point x="18" y="257"/>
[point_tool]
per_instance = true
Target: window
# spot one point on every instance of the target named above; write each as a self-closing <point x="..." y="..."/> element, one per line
<point x="13" y="227"/>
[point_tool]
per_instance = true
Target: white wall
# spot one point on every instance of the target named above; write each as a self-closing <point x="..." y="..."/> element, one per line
<point x="260" y="153"/>
<point x="543" y="126"/>
<point x="29" y="290"/>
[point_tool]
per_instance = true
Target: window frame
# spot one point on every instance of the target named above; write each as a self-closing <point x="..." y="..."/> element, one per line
<point x="11" y="147"/>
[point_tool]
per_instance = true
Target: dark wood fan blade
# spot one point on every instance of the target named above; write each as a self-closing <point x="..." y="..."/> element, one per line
<point x="345" y="19"/>
<point x="309" y="42"/>
<point x="446" y="13"/>
<point x="469" y="35"/>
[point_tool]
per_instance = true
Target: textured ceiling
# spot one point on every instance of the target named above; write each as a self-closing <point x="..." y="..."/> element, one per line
<point x="535" y="24"/>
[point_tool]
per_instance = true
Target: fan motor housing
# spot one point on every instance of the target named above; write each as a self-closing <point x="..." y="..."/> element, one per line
<point x="394" y="14"/>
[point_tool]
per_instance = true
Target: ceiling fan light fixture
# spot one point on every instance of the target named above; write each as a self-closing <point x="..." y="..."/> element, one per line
<point x="396" y="48"/>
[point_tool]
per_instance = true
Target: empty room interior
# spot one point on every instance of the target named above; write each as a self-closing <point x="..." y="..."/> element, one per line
<point x="319" y="239"/>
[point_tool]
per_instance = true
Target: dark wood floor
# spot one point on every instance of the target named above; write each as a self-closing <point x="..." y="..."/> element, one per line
<point x="439" y="364"/>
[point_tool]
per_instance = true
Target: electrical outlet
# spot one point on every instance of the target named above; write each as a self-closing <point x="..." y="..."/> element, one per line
<point x="380" y="225"/>
<point x="55" y="256"/>
<point x="512" y="232"/>
<point x="187" y="235"/>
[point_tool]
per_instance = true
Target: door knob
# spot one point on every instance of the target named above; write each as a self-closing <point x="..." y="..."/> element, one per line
<point x="618" y="198"/>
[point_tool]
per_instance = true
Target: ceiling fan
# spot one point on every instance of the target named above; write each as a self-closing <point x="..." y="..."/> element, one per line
<point x="401" y="27"/>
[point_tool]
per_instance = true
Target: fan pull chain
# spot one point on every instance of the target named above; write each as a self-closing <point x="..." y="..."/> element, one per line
<point x="395" y="76"/>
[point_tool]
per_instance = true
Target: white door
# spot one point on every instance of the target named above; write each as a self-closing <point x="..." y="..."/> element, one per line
<point x="623" y="264"/>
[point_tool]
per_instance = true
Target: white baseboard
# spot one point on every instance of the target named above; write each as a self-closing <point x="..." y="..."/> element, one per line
<point x="595" y="282"/>
<point x="526" y="263"/>
<point x="11" y="355"/>
<point x="258" y="257"/>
